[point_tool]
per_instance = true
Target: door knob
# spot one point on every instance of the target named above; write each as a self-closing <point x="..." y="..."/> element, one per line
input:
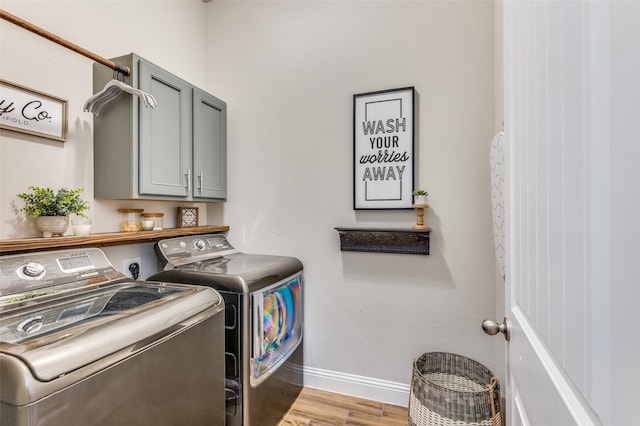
<point x="492" y="328"/>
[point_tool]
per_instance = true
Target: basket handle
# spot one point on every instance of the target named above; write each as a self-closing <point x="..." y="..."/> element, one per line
<point x="494" y="383"/>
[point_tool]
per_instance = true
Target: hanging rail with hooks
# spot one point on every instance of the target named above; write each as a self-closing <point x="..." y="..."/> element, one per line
<point x="62" y="42"/>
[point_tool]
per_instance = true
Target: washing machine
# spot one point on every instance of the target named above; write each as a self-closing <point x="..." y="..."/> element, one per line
<point x="81" y="344"/>
<point x="263" y="297"/>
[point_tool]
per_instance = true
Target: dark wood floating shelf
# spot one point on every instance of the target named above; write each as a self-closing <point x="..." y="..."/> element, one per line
<point x="385" y="240"/>
<point x="27" y="245"/>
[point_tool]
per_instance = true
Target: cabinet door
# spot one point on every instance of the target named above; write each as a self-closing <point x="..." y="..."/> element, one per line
<point x="209" y="146"/>
<point x="165" y="134"/>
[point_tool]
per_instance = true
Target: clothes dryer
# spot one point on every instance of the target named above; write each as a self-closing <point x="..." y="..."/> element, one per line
<point x="263" y="297"/>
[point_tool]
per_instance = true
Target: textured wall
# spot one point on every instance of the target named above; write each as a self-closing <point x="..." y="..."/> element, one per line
<point x="289" y="71"/>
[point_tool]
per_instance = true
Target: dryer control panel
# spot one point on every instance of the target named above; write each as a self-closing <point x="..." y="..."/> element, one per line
<point x="175" y="252"/>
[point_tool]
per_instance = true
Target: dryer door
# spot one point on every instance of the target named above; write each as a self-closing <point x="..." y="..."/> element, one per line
<point x="277" y="326"/>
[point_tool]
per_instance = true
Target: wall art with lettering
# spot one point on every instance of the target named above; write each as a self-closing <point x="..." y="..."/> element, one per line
<point x="383" y="133"/>
<point x="28" y="111"/>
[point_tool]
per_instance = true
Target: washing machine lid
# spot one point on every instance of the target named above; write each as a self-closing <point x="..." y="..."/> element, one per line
<point x="56" y="337"/>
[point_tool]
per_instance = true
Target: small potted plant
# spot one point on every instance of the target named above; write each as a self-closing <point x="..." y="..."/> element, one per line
<point x="420" y="196"/>
<point x="52" y="209"/>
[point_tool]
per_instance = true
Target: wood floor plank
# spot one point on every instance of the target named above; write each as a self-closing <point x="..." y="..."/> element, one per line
<point x="394" y="414"/>
<point x="346" y="402"/>
<point x="289" y="421"/>
<point x="319" y="415"/>
<point x="315" y="407"/>
<point x="309" y="406"/>
<point x="359" y="419"/>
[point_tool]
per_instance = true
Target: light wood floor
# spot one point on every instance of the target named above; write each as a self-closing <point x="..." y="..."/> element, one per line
<point x="320" y="408"/>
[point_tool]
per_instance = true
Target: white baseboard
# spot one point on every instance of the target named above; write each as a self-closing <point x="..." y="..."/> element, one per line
<point x="363" y="387"/>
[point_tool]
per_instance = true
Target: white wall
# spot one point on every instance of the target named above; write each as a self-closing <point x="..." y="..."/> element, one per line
<point x="288" y="71"/>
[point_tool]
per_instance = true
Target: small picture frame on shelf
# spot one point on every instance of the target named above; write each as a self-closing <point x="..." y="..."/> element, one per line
<point x="187" y="217"/>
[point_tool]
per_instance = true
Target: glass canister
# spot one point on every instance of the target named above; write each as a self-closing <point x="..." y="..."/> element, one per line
<point x="152" y="221"/>
<point x="130" y="220"/>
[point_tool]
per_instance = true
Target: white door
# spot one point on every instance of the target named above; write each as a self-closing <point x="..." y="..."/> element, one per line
<point x="572" y="138"/>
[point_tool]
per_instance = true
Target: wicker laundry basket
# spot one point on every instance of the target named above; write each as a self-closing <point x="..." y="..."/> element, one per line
<point x="452" y="390"/>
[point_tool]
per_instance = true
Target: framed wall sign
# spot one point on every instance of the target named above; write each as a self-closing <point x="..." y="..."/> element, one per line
<point x="383" y="132"/>
<point x="28" y="111"/>
<point x="187" y="217"/>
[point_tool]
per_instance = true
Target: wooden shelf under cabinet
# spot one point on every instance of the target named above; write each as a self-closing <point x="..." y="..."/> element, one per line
<point x="27" y="245"/>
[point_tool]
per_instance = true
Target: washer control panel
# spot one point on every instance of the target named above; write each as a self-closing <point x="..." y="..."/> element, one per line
<point x="33" y="274"/>
<point x="31" y="270"/>
<point x="180" y="251"/>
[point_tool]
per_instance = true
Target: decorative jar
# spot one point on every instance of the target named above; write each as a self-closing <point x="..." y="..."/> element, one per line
<point x="153" y="219"/>
<point x="81" y="226"/>
<point x="130" y="220"/>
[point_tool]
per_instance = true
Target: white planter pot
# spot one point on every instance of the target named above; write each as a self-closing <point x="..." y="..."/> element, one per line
<point x="420" y="199"/>
<point x="52" y="225"/>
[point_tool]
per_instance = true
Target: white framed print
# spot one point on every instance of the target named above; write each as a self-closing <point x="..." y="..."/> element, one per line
<point x="383" y="146"/>
<point x="28" y="111"/>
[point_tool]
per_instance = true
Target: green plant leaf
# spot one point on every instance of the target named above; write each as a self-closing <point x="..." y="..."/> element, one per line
<point x="46" y="202"/>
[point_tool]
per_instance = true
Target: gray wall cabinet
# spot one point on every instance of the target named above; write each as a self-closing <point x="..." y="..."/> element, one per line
<point x="175" y="151"/>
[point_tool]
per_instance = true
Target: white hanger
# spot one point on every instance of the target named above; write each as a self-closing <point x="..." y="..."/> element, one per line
<point x="112" y="90"/>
